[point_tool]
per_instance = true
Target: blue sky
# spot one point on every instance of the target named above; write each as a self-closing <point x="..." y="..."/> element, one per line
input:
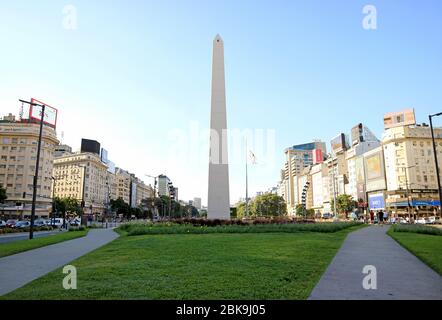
<point x="135" y="72"/>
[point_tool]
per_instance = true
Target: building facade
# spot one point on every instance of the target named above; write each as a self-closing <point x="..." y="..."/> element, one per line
<point x="84" y="177"/>
<point x="411" y="170"/>
<point x="18" y="155"/>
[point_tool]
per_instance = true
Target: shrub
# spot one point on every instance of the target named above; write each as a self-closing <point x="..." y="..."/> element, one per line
<point x="417" y="228"/>
<point x="133" y="229"/>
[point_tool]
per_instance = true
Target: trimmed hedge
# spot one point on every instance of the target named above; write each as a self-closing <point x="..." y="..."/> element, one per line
<point x="417" y="228"/>
<point x="15" y="230"/>
<point x="133" y="229"/>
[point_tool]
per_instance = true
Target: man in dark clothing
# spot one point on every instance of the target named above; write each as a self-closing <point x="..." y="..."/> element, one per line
<point x="380" y="216"/>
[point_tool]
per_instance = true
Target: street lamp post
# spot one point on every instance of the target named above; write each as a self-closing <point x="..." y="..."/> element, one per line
<point x="154" y="190"/>
<point x="435" y="159"/>
<point x="34" y="186"/>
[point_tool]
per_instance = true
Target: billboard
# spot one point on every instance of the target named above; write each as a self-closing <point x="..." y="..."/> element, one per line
<point x="50" y="116"/>
<point x="339" y="143"/>
<point x="376" y="201"/>
<point x="400" y="118"/>
<point x="104" y="158"/>
<point x="110" y="167"/>
<point x="374" y="166"/>
<point x="90" y="146"/>
<point x="317" y="156"/>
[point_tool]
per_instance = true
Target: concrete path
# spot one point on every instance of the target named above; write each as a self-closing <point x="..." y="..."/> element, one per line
<point x="22" y="268"/>
<point x="400" y="275"/>
<point x="11" y="237"/>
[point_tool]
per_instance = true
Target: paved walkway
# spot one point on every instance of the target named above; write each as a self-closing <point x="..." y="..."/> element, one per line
<point x="22" y="268"/>
<point x="400" y="275"/>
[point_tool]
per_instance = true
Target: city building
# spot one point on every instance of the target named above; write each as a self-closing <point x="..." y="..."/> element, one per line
<point x="362" y="140"/>
<point x="410" y="168"/>
<point x="197" y="203"/>
<point x="82" y="176"/>
<point x="123" y="182"/>
<point x="298" y="158"/>
<point x="61" y="150"/>
<point x="18" y="155"/>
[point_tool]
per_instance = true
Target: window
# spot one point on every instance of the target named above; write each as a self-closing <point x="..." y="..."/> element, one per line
<point x="5" y="140"/>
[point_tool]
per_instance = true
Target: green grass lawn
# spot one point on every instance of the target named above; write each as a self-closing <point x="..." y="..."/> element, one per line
<point x="197" y="266"/>
<point x="7" y="249"/>
<point x="426" y="247"/>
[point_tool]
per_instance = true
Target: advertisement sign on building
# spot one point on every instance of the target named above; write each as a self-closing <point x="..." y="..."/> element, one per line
<point x="90" y="146"/>
<point x="50" y="116"/>
<point x="104" y="158"/>
<point x="339" y="143"/>
<point x="374" y="166"/>
<point x="376" y="201"/>
<point x="317" y="156"/>
<point x="400" y="118"/>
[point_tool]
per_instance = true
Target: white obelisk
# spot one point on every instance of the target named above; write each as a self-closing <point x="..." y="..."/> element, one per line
<point x="218" y="198"/>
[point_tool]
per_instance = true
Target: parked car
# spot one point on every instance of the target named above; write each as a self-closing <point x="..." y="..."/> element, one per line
<point x="2" y="224"/>
<point x="22" y="224"/>
<point x="75" y="222"/>
<point x="327" y="215"/>
<point x="433" y="220"/>
<point x="421" y="221"/>
<point x="57" y="222"/>
<point x="11" y="223"/>
<point x="40" y="222"/>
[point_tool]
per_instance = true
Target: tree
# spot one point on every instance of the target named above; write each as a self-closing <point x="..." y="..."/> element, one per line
<point x="344" y="204"/>
<point x="3" y="195"/>
<point x="67" y="205"/>
<point x="121" y="207"/>
<point x="268" y="204"/>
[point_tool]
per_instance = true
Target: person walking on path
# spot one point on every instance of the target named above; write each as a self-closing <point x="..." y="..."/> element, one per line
<point x="380" y="217"/>
<point x="371" y="216"/>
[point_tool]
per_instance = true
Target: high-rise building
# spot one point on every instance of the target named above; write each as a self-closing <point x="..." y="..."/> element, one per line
<point x="298" y="158"/>
<point x="164" y="185"/>
<point x="218" y="193"/>
<point x="362" y="140"/>
<point x="84" y="177"/>
<point x="197" y="203"/>
<point x="18" y="155"/>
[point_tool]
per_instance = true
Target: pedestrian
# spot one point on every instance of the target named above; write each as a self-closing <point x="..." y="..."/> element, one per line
<point x="380" y="216"/>
<point x="386" y="216"/>
<point x="371" y="216"/>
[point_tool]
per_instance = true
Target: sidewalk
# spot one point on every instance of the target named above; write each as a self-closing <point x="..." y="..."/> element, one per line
<point x="400" y="275"/>
<point x="22" y="268"/>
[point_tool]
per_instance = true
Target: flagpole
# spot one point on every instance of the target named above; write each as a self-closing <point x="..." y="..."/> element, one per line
<point x="247" y="186"/>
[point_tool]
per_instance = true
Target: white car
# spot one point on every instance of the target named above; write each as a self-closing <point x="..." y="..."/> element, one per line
<point x="421" y="221"/>
<point x="57" y="222"/>
<point x="2" y="224"/>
